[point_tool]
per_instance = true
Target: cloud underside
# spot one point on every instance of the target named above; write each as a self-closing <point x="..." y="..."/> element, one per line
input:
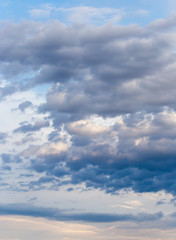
<point x="122" y="74"/>
<point x="60" y="215"/>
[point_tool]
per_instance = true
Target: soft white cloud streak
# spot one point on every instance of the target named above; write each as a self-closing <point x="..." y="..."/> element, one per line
<point x="80" y="14"/>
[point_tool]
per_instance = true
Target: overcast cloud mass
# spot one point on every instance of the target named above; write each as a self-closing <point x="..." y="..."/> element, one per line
<point x="88" y="120"/>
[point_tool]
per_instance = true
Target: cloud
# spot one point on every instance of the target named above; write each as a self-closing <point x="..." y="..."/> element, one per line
<point x="123" y="74"/>
<point x="6" y="158"/>
<point x="86" y="128"/>
<point x="84" y="14"/>
<point x="131" y="155"/>
<point x="32" y="127"/>
<point x="3" y="137"/>
<point x="79" y="14"/>
<point x="60" y="215"/>
<point x="45" y="11"/>
<point x="52" y="149"/>
<point x="118" y="58"/>
<point x="47" y="149"/>
<point x="22" y="106"/>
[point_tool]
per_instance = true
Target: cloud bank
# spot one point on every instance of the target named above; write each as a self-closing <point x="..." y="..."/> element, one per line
<point x="111" y="102"/>
<point x="60" y="215"/>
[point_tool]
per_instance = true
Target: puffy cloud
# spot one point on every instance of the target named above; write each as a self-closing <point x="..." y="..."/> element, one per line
<point x="103" y="60"/>
<point x="124" y="74"/>
<point x="86" y="128"/>
<point x="137" y="152"/>
<point x="52" y="149"/>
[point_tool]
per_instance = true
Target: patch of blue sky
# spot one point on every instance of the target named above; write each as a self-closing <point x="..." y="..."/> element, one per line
<point x="137" y="11"/>
<point x="41" y="90"/>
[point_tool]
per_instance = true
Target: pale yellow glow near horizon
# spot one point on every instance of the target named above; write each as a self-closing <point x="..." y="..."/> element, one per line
<point x="55" y="228"/>
<point x="24" y="228"/>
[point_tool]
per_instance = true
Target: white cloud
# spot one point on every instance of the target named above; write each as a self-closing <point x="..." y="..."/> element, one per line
<point x="85" y="14"/>
<point x="44" y="11"/>
<point x="87" y="128"/>
<point x="52" y="148"/>
<point x="80" y="14"/>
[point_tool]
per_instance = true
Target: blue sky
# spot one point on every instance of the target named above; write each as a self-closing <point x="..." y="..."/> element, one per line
<point x="88" y="120"/>
<point x="18" y="10"/>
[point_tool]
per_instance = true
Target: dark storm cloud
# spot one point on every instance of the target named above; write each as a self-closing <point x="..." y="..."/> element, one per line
<point x="60" y="215"/>
<point x="32" y="127"/>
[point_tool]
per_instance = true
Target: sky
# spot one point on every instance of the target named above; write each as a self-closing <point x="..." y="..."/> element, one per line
<point x="88" y="120"/>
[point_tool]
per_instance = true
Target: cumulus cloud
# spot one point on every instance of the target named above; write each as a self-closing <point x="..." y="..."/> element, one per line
<point x="86" y="128"/>
<point x="123" y="74"/>
<point x="118" y="58"/>
<point x="131" y="155"/>
<point x="24" y="128"/>
<point x="52" y="149"/>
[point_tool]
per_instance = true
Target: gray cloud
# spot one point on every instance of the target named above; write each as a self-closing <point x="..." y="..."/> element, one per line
<point x="107" y="71"/>
<point x="123" y="61"/>
<point x="3" y="137"/>
<point x="60" y="215"/>
<point x="22" y="106"/>
<point x="136" y="161"/>
<point x="32" y="127"/>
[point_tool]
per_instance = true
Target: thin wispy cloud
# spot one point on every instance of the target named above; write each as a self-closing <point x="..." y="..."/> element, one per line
<point x="80" y="14"/>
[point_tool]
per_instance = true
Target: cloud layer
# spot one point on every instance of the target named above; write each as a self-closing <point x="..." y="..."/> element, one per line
<point x="60" y="215"/>
<point x="111" y="102"/>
